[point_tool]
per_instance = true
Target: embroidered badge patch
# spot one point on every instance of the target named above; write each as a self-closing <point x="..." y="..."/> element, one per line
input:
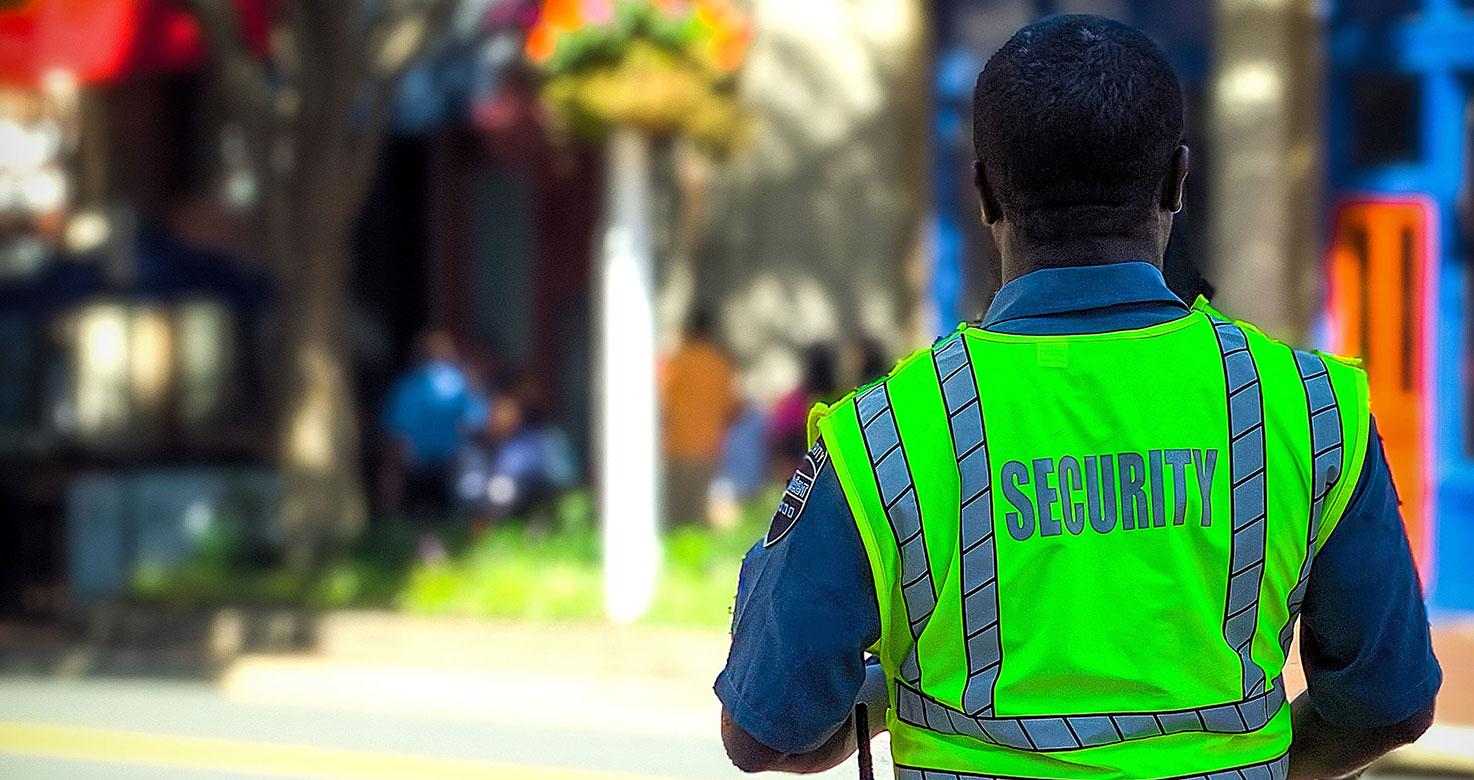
<point x="796" y="494"/>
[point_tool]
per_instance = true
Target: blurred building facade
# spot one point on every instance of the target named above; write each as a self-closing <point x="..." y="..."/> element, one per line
<point x="1399" y="150"/>
<point x="132" y="320"/>
<point x="813" y="232"/>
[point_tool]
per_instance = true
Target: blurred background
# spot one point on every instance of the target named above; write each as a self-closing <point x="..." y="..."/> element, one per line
<point x="391" y="388"/>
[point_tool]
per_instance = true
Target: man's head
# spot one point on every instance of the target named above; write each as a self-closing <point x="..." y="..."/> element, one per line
<point x="700" y="325"/>
<point x="1078" y="128"/>
<point x="436" y="346"/>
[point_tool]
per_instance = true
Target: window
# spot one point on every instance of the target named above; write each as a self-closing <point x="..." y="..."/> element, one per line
<point x="98" y="338"/>
<point x="205" y="331"/>
<point x="146" y="373"/>
<point x="1386" y="119"/>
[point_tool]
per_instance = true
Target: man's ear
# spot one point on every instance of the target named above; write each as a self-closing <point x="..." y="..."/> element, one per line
<point x="1175" y="184"/>
<point x="992" y="212"/>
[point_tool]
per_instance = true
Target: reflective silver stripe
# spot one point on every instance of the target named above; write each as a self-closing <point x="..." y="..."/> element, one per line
<point x="903" y="512"/>
<point x="1325" y="457"/>
<point x="1040" y="733"/>
<point x="979" y="558"/>
<point x="1246" y="467"/>
<point x="913" y="773"/>
<point x="1278" y="769"/>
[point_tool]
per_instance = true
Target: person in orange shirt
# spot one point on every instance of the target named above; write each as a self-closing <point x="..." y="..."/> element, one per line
<point x="698" y="401"/>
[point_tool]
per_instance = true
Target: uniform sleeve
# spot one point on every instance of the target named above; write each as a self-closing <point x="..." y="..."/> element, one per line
<point x="804" y="615"/>
<point x="1365" y="641"/>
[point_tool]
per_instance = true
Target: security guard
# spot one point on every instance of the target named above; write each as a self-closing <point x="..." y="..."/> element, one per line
<point x="1077" y="535"/>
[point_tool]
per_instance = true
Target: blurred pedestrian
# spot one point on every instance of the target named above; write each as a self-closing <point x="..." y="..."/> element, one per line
<point x="698" y="401"/>
<point x="521" y="460"/>
<point x="788" y="420"/>
<point x="432" y="411"/>
<point x="873" y="360"/>
<point x="744" y="466"/>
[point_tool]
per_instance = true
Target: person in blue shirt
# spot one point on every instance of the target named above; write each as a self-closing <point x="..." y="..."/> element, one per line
<point x="806" y="608"/>
<point x="431" y="412"/>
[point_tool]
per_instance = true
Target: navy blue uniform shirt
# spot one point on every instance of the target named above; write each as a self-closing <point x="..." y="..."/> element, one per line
<point x="806" y="607"/>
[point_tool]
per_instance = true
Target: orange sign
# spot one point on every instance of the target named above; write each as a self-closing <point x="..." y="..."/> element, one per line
<point x="1382" y="279"/>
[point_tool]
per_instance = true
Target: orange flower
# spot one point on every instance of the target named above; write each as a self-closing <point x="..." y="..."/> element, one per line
<point x="727" y="33"/>
<point x="555" y="18"/>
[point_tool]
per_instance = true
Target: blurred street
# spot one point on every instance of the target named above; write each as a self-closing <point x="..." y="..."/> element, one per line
<point x="128" y="728"/>
<point x="384" y="696"/>
<point x="188" y="729"/>
<point x="378" y="696"/>
<point x="135" y="729"/>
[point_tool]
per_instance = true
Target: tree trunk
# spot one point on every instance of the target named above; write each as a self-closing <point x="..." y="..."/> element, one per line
<point x="629" y="467"/>
<point x="315" y="110"/>
<point x="1265" y="166"/>
<point x="323" y="499"/>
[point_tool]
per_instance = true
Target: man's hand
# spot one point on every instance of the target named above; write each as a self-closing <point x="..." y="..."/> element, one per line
<point x="749" y="755"/>
<point x="1321" y="750"/>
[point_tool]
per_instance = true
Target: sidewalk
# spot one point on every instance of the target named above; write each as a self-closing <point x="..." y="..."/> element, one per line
<point x="639" y="681"/>
<point x="633" y="685"/>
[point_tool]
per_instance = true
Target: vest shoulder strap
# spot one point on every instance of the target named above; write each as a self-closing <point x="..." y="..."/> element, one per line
<point x="820" y="411"/>
<point x="1338" y="402"/>
<point x="1352" y="397"/>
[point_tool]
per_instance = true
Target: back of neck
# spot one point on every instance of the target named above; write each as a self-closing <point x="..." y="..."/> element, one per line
<point x="1022" y="258"/>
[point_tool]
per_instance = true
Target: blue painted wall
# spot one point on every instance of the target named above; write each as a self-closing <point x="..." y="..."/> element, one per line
<point x="1427" y="46"/>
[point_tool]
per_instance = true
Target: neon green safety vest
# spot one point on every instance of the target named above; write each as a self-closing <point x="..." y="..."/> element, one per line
<point x="1089" y="551"/>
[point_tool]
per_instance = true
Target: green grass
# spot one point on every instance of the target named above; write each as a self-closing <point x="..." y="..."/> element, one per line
<point x="512" y="573"/>
<point x="546" y="572"/>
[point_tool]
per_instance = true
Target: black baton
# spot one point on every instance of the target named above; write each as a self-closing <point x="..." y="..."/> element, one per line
<point x="862" y="740"/>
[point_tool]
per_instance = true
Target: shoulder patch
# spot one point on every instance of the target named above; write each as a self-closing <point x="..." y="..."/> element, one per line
<point x="796" y="494"/>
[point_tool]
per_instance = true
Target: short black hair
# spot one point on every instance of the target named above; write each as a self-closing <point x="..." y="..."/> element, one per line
<point x="1075" y="120"/>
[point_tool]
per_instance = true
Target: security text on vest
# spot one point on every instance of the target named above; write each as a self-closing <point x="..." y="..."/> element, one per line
<point x="1103" y="493"/>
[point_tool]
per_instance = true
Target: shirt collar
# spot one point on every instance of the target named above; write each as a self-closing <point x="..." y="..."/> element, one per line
<point x="1057" y="291"/>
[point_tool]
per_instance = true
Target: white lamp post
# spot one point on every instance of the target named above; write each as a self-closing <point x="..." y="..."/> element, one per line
<point x="629" y="419"/>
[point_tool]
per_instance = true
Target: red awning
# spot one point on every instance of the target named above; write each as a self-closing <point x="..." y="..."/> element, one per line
<point x="101" y="41"/>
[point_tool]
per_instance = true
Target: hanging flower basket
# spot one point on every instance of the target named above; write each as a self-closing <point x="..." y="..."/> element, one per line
<point x="664" y="67"/>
